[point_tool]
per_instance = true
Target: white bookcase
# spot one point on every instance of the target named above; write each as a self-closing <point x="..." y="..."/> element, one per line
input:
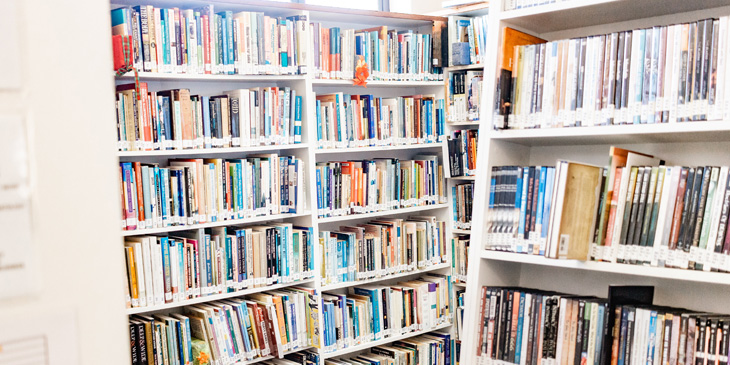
<point x="308" y="87"/>
<point x="695" y="143"/>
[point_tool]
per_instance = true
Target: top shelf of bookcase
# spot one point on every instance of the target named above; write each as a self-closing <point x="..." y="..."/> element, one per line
<point x="317" y="13"/>
<point x="573" y="14"/>
<point x="618" y="134"/>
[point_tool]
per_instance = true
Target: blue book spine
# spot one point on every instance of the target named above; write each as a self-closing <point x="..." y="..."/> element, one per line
<point x="652" y="339"/>
<point x="284" y="56"/>
<point x="293" y="330"/>
<point x="345" y="316"/>
<point x="189" y="341"/>
<point x="454" y="204"/>
<point x="518" y="198"/>
<point x="146" y="196"/>
<point x="372" y="120"/>
<point x="229" y="259"/>
<point x="520" y="319"/>
<point x="181" y="267"/>
<point x="540" y="197"/>
<point x="298" y="120"/>
<point x="599" y="333"/>
<point x="181" y="196"/>
<point x="240" y="194"/>
<point x="267" y="115"/>
<point x="622" y="334"/>
<point x="166" y="194"/>
<point x="229" y="40"/>
<point x="208" y="261"/>
<point x="548" y="200"/>
<point x="164" y="245"/>
<point x="245" y="324"/>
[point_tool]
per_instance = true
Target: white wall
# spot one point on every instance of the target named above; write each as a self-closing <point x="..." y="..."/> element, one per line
<point x="67" y="99"/>
<point x="415" y="6"/>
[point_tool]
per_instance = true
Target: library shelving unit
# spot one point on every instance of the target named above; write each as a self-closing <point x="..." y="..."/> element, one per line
<point x="308" y="87"/>
<point x="694" y="143"/>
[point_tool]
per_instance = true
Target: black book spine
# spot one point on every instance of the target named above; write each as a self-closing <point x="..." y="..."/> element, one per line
<point x="497" y="327"/>
<point x="701" y="206"/>
<point x="692" y="213"/>
<point x="630" y="334"/>
<point x="579" y="332"/>
<point x="700" y="354"/>
<point x="685" y="208"/>
<point x="142" y="341"/>
<point x="618" y="80"/>
<point x="638" y="219"/>
<point x="635" y="206"/>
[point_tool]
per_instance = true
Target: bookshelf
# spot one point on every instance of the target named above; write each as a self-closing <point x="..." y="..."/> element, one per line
<point x="686" y="144"/>
<point x="308" y="87"/>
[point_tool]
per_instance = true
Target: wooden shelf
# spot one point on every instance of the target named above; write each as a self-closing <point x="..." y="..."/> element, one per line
<point x="371" y="344"/>
<point x="214" y="297"/>
<point x="384" y="213"/>
<point x="632" y="133"/>
<point x="348" y="284"/>
<point x="574" y="14"/>
<point x="211" y="151"/>
<point x="232" y="222"/>
<point x="607" y="267"/>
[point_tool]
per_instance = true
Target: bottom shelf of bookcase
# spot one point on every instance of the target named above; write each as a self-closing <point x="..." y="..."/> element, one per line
<point x="615" y="268"/>
<point x="370" y="344"/>
<point x="270" y="357"/>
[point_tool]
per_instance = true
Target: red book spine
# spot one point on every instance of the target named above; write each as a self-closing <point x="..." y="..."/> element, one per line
<point x="206" y="43"/>
<point x="145" y="115"/>
<point x="140" y="196"/>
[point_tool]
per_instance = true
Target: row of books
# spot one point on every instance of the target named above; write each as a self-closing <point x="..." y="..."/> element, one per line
<point x="519" y="4"/>
<point x="433" y="348"/>
<point x="524" y="326"/>
<point x="390" y="54"/>
<point x="381" y="248"/>
<point x="208" y="190"/>
<point x="636" y="211"/>
<point x="459" y="317"/>
<point x="201" y="41"/>
<point x="190" y="265"/>
<point x="663" y="74"/>
<point x="370" y="313"/>
<point x="462" y="149"/>
<point x="464" y="95"/>
<point x="175" y="119"/>
<point x="352" y="187"/>
<point x="345" y="120"/>
<point x="467" y="40"/>
<point x="227" y="331"/>
<point x="460" y="264"/>
<point x="462" y="197"/>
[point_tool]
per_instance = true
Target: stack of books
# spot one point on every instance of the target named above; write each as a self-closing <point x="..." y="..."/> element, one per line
<point x="349" y="121"/>
<point x="353" y="187"/>
<point x="462" y="198"/>
<point x="460" y="263"/>
<point x="201" y="41"/>
<point x="209" y="190"/>
<point x="403" y="55"/>
<point x="434" y="348"/>
<point x="227" y="331"/>
<point x="173" y="269"/>
<point x="471" y="31"/>
<point x="381" y="248"/>
<point x="371" y="313"/>
<point x="175" y="119"/>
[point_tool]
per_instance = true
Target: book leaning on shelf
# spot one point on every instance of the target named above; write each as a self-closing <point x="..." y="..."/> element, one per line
<point x="381" y="248"/>
<point x="223" y="332"/>
<point x="201" y="41"/>
<point x="196" y="191"/>
<point x="370" y="313"/>
<point x="353" y="187"/>
<point x="175" y="119"/>
<point x="662" y="74"/>
<point x="462" y="148"/>
<point x="465" y="92"/>
<point x="349" y="121"/>
<point x="460" y="264"/>
<point x="189" y="265"/>
<point x="543" y="210"/>
<point x="390" y="54"/>
<point x="462" y="200"/>
<point x="433" y="348"/>
<point x="529" y="326"/>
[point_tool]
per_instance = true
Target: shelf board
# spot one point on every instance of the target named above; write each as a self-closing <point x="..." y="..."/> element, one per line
<point x="460" y="231"/>
<point x="232" y="222"/>
<point x="214" y="297"/>
<point x="348" y="284"/>
<point x="270" y="357"/>
<point x="463" y="124"/>
<point x="632" y="133"/>
<point x="154" y="76"/>
<point x="465" y="178"/>
<point x="420" y="146"/>
<point x="607" y="267"/>
<point x="376" y="83"/>
<point x="370" y="344"/>
<point x="460" y="284"/>
<point x="384" y="213"/>
<point x="211" y="151"/>
<point x="476" y="66"/>
<point x="574" y="14"/>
